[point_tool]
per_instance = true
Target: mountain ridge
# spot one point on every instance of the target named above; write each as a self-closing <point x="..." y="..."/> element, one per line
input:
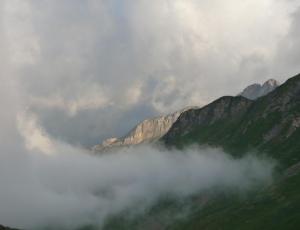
<point x="271" y="120"/>
<point x="269" y="125"/>
<point x="256" y="90"/>
<point x="146" y="131"/>
<point x="152" y="129"/>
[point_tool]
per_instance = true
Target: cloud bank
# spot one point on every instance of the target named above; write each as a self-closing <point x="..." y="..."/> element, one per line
<point x="71" y="189"/>
<point x="48" y="183"/>
<point x="96" y="64"/>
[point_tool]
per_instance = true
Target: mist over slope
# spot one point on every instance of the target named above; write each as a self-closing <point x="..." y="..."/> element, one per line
<point x="239" y="125"/>
<point x="69" y="188"/>
<point x="48" y="183"/>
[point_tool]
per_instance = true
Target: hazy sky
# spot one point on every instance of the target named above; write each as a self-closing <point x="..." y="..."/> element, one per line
<point x="92" y="69"/>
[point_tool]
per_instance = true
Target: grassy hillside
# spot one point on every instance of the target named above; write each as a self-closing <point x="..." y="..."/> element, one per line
<point x="269" y="125"/>
<point x="274" y="207"/>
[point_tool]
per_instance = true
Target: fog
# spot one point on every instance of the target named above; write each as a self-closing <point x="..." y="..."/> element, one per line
<point x="45" y="182"/>
<point x="72" y="189"/>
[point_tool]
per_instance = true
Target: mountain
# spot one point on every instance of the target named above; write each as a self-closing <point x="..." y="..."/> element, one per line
<point x="274" y="207"/>
<point x="147" y="131"/>
<point x="255" y="91"/>
<point x="153" y="129"/>
<point x="269" y="124"/>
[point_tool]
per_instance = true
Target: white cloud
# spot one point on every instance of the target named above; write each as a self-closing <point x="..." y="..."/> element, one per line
<point x="88" y="97"/>
<point x="23" y="42"/>
<point x="34" y="136"/>
<point x="71" y="188"/>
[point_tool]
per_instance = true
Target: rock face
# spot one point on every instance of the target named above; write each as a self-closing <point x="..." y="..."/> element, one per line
<point x="147" y="131"/>
<point x="255" y="91"/>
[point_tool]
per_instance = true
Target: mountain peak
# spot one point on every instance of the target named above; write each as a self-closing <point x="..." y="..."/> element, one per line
<point x="256" y="90"/>
<point x="271" y="82"/>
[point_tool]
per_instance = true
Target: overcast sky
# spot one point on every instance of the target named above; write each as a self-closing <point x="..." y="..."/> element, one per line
<point x="91" y="69"/>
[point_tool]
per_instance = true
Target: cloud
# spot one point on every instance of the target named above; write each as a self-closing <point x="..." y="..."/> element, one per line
<point x="34" y="136"/>
<point x="110" y="57"/>
<point x="71" y="189"/>
<point x="287" y="57"/>
<point x="46" y="182"/>
<point x="89" y="98"/>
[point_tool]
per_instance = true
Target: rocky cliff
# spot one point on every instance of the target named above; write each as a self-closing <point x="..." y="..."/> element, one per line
<point x="147" y="131"/>
<point x="153" y="129"/>
<point x="255" y="91"/>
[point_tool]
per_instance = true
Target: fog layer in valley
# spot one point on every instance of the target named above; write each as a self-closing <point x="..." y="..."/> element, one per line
<point x="45" y="182"/>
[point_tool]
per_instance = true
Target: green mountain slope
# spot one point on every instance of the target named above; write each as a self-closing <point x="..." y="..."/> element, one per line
<point x="269" y="124"/>
<point x="275" y="207"/>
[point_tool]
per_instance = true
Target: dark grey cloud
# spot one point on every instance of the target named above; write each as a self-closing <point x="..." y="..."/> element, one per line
<point x="89" y="127"/>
